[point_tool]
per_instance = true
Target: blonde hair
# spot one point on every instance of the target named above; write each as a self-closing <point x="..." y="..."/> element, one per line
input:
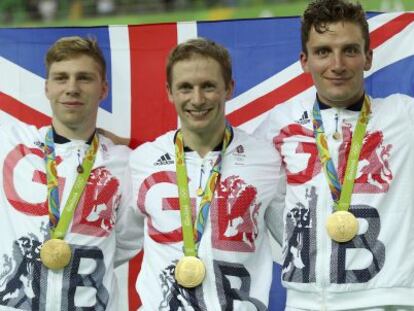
<point x="71" y="47"/>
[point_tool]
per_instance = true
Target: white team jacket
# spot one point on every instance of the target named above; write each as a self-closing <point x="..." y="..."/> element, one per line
<point x="376" y="268"/>
<point x="88" y="281"/>
<point x="234" y="247"/>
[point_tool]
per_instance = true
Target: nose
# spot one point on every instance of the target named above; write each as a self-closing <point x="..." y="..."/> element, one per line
<point x="338" y="63"/>
<point x="72" y="88"/>
<point x="198" y="97"/>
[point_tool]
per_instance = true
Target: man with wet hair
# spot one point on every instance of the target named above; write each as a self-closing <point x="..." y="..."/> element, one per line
<point x="349" y="161"/>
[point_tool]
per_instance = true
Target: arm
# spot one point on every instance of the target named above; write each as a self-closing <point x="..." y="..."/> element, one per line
<point x="117" y="140"/>
<point x="274" y="213"/>
<point x="129" y="226"/>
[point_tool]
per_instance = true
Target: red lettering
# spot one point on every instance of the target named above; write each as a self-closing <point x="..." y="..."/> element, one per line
<point x="234" y="216"/>
<point x="167" y="204"/>
<point x="12" y="180"/>
<point x="95" y="215"/>
<point x="312" y="167"/>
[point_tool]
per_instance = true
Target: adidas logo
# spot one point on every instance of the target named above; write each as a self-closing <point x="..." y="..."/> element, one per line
<point x="304" y="118"/>
<point x="39" y="144"/>
<point x="165" y="159"/>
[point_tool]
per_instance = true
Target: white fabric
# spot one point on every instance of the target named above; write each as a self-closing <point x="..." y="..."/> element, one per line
<point x="376" y="268"/>
<point x="88" y="280"/>
<point x="235" y="246"/>
<point x="387" y="308"/>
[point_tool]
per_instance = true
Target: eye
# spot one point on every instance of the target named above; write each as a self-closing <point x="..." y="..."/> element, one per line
<point x="184" y="88"/>
<point x="85" y="78"/>
<point x="209" y="87"/>
<point x="321" y="52"/>
<point x="59" y="78"/>
<point x="352" y="50"/>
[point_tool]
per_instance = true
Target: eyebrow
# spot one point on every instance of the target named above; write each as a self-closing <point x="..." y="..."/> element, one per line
<point x="327" y="46"/>
<point x="89" y="73"/>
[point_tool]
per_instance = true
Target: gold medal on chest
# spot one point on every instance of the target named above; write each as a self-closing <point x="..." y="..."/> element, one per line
<point x="55" y="254"/>
<point x="337" y="136"/>
<point x="342" y="226"/>
<point x="190" y="271"/>
<point x="200" y="192"/>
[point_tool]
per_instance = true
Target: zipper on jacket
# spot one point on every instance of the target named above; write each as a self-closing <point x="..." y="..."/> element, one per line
<point x="53" y="293"/>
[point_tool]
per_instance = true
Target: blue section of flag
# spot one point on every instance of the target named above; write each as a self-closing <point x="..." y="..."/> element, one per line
<point x="259" y="48"/>
<point x="277" y="297"/>
<point x="27" y="48"/>
<point x="382" y="82"/>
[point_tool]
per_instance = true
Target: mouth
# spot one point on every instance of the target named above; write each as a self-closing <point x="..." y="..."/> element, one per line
<point x="199" y="113"/>
<point x="338" y="80"/>
<point x="72" y="104"/>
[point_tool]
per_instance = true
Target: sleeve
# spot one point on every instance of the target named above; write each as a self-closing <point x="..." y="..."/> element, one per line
<point x="274" y="213"/>
<point x="410" y="112"/>
<point x="130" y="224"/>
<point x="264" y="130"/>
<point x="7" y="120"/>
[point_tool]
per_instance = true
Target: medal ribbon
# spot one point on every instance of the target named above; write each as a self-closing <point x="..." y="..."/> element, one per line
<point x="192" y="235"/>
<point x="341" y="194"/>
<point x="59" y="223"/>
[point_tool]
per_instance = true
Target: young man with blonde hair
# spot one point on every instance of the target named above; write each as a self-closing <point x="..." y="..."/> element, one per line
<point x="61" y="193"/>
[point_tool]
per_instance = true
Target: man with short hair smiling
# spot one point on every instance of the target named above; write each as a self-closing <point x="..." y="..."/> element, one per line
<point x="207" y="194"/>
<point x="349" y="160"/>
<point x="61" y="194"/>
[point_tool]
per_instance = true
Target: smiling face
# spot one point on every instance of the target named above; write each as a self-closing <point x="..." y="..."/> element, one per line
<point x="199" y="93"/>
<point x="75" y="87"/>
<point x="336" y="59"/>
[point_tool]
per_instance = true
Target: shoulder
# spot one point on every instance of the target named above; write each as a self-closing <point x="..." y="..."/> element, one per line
<point x="119" y="152"/>
<point x="293" y="106"/>
<point x="392" y="100"/>
<point x="19" y="132"/>
<point x="147" y="151"/>
<point x="395" y="105"/>
<point x="297" y="111"/>
<point x="257" y="148"/>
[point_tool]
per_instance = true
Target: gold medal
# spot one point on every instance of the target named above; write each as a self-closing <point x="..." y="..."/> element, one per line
<point x="190" y="271"/>
<point x="200" y="191"/>
<point x="342" y="226"/>
<point x="55" y="254"/>
<point x="337" y="136"/>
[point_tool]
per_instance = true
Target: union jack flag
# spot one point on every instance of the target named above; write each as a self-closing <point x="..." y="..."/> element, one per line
<point x="266" y="66"/>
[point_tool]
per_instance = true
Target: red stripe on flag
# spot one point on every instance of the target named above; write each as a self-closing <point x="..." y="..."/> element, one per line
<point x="390" y="29"/>
<point x="22" y="112"/>
<point x="134" y="267"/>
<point x="151" y="112"/>
<point x="304" y="81"/>
<point x="268" y="101"/>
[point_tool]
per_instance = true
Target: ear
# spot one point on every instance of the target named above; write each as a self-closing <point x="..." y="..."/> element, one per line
<point x="368" y="60"/>
<point x="169" y="92"/>
<point x="47" y="88"/>
<point x="303" y="57"/>
<point x="230" y="89"/>
<point x="105" y="90"/>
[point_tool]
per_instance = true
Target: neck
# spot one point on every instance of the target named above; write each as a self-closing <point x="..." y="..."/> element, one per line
<point x="73" y="133"/>
<point x="203" y="143"/>
<point x="354" y="104"/>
